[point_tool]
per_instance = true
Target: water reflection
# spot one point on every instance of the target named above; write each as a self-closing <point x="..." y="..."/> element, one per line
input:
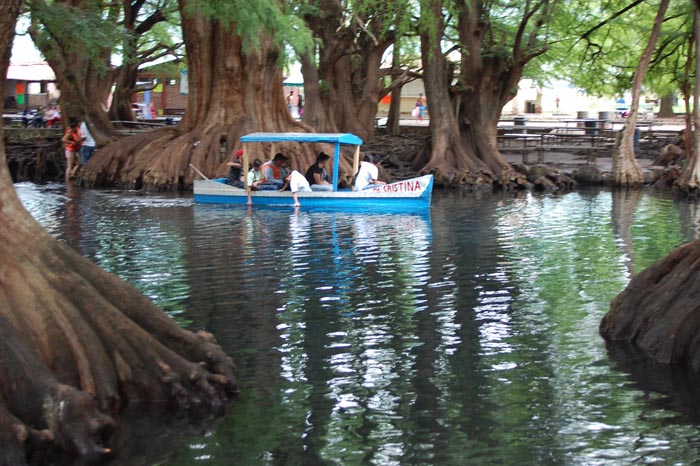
<point x="467" y="336"/>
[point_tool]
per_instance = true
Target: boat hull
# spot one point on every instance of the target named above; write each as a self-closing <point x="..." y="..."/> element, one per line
<point x="407" y="194"/>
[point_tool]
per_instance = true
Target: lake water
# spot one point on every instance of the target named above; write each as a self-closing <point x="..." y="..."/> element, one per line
<point x="466" y="335"/>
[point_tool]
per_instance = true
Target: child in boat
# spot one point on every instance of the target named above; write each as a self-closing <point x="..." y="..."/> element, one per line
<point x="368" y="175"/>
<point x="296" y="182"/>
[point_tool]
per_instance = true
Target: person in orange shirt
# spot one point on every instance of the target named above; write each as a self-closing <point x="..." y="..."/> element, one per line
<point x="72" y="142"/>
<point x="271" y="172"/>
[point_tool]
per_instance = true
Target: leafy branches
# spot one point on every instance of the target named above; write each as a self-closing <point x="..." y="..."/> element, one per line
<point x="250" y="20"/>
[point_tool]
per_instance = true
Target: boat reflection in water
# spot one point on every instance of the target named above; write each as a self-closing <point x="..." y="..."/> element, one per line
<point x="323" y="340"/>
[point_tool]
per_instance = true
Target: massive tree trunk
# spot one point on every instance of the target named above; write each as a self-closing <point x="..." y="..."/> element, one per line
<point x="690" y="179"/>
<point x="126" y="74"/>
<point x="625" y="169"/>
<point x="77" y="343"/>
<point x="349" y="66"/>
<point x="394" y="118"/>
<point x="85" y="82"/>
<point x="231" y="93"/>
<point x="659" y="311"/>
<point x="464" y="117"/>
<point x="666" y="106"/>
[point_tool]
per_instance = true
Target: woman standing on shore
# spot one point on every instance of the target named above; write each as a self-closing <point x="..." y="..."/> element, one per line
<point x="72" y="141"/>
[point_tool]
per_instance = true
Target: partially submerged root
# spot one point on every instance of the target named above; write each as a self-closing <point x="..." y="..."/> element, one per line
<point x="659" y="311"/>
<point x="77" y="345"/>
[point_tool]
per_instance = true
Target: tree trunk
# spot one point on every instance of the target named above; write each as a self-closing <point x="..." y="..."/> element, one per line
<point x="77" y="343"/>
<point x="690" y="179"/>
<point x="316" y="113"/>
<point x="124" y="87"/>
<point x="625" y="169"/>
<point x="231" y="93"/>
<point x="666" y="107"/>
<point x="127" y="73"/>
<point x="349" y="65"/>
<point x="394" y="120"/>
<point x="659" y="311"/>
<point x="85" y="84"/>
<point x="463" y="118"/>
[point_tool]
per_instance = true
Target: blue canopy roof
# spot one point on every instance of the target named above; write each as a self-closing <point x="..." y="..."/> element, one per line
<point x="331" y="138"/>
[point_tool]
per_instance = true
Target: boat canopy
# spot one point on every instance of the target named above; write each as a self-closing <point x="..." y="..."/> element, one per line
<point x="330" y="138"/>
<point x="327" y="138"/>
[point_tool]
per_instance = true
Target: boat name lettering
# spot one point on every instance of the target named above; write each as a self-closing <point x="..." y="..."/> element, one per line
<point x="400" y="187"/>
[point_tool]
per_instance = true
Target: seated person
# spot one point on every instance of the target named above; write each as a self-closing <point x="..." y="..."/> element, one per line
<point x="38" y="120"/>
<point x="254" y="176"/>
<point x="236" y="170"/>
<point x="317" y="176"/>
<point x="367" y="176"/>
<point x="271" y="172"/>
<point x="296" y="182"/>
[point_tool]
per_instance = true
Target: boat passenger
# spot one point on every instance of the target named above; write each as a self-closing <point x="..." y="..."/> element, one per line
<point x="255" y="175"/>
<point x="271" y="172"/>
<point x="367" y="176"/>
<point x="317" y="176"/>
<point x="236" y="170"/>
<point x="296" y="182"/>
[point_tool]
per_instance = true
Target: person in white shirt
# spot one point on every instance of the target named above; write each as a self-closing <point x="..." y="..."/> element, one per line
<point x="296" y="182"/>
<point x="368" y="174"/>
<point x="88" y="149"/>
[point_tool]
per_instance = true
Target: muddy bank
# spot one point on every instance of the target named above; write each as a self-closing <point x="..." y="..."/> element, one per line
<point x="39" y="158"/>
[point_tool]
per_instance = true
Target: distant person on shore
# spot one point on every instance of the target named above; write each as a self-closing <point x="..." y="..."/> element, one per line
<point x="49" y="116"/>
<point x="38" y="121"/>
<point x="368" y="174"/>
<point x="72" y="142"/>
<point x="317" y="176"/>
<point x="301" y="105"/>
<point x="290" y="102"/>
<point x="56" y="116"/>
<point x="272" y="172"/>
<point x="26" y="115"/>
<point x="88" y="149"/>
<point x="557" y="102"/>
<point x="421" y="103"/>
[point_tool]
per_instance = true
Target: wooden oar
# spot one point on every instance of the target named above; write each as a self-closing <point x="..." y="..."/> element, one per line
<point x="199" y="173"/>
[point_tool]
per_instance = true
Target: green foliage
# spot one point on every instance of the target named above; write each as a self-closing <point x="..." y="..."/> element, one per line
<point x="599" y="45"/>
<point x="250" y="20"/>
<point x="61" y="29"/>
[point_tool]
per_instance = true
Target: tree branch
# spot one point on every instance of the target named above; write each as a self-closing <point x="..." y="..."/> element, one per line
<point x="586" y="35"/>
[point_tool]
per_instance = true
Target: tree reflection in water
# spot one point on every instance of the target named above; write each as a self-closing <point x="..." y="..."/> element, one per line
<point x="466" y="336"/>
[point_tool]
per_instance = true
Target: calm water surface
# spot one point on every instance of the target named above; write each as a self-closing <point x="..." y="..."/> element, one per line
<point x="468" y="335"/>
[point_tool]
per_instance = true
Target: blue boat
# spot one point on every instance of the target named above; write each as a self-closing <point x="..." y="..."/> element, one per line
<point x="401" y="195"/>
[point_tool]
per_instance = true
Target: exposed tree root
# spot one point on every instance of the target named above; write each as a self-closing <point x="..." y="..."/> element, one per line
<point x="77" y="344"/>
<point x="659" y="311"/>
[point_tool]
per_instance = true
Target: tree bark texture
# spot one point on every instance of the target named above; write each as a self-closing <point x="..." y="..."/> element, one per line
<point x="625" y="169"/>
<point x="126" y="74"/>
<point x="666" y="106"/>
<point x="85" y="84"/>
<point x="231" y="93"/>
<point x="394" y="118"/>
<point x="659" y="311"/>
<point x="689" y="181"/>
<point x="343" y="88"/>
<point x="464" y="117"/>
<point x="77" y="343"/>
